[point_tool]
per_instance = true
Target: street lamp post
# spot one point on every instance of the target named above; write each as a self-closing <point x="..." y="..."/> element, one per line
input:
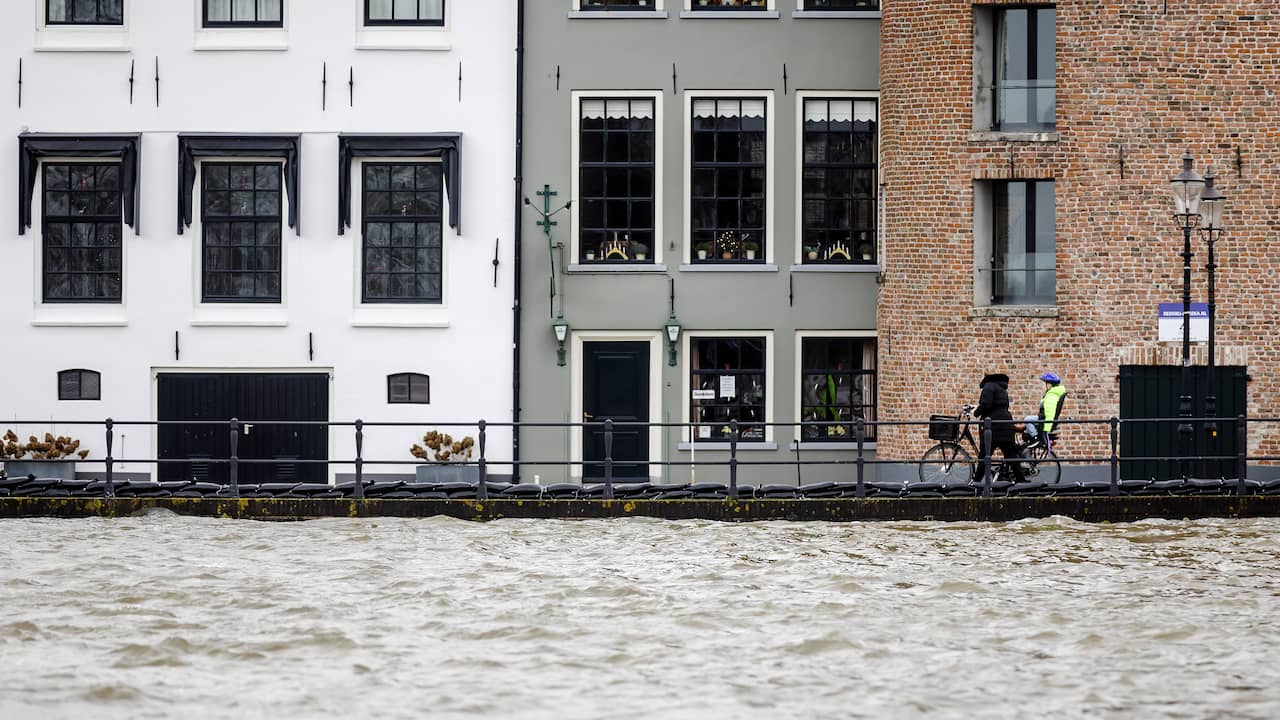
<point x="1211" y="206"/>
<point x="1186" y="187"/>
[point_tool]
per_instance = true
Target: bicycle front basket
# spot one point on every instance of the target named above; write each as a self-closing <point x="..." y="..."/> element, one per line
<point x="945" y="428"/>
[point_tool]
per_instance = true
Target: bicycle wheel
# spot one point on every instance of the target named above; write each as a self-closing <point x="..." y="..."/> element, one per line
<point x="1041" y="465"/>
<point x="946" y="463"/>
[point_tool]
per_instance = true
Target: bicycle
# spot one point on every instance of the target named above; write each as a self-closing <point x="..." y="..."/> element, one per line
<point x="948" y="462"/>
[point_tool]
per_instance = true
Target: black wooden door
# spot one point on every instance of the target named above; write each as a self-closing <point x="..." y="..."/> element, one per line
<point x="251" y="398"/>
<point x="1151" y="391"/>
<point x="615" y="386"/>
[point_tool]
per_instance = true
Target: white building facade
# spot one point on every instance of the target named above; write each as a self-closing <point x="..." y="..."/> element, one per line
<point x="275" y="210"/>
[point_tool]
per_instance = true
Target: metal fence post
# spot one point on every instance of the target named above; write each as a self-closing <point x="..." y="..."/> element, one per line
<point x="733" y="459"/>
<point x="235" y="459"/>
<point x="860" y="435"/>
<point x="986" y="457"/>
<point x="608" y="459"/>
<point x="1115" y="454"/>
<point x="482" y="489"/>
<point x="111" y="485"/>
<point x="357" y="492"/>
<point x="1242" y="454"/>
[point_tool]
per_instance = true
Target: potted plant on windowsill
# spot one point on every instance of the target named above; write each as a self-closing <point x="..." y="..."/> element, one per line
<point x="811" y="252"/>
<point x="729" y="244"/>
<point x="59" y="448"/>
<point x="702" y="248"/>
<point x="865" y="251"/>
<point x="445" y="459"/>
<point x="750" y="248"/>
<point x="640" y="251"/>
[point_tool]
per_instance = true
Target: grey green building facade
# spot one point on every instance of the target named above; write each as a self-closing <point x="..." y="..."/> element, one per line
<point x="720" y="166"/>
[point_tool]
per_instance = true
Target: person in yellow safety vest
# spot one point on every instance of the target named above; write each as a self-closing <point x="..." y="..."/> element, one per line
<point x="1051" y="402"/>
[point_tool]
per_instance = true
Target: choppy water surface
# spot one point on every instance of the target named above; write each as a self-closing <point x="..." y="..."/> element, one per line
<point x="167" y="616"/>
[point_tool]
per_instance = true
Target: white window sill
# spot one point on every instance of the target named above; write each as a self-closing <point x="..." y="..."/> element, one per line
<point x="79" y="315"/>
<point x="82" y="39"/>
<point x="831" y="14"/>
<point x="1047" y="136"/>
<point x="836" y="268"/>
<point x="748" y="446"/>
<point x="232" y="39"/>
<point x="729" y="267"/>
<point x="399" y="316"/>
<point x="731" y="14"/>
<point x="606" y="268"/>
<point x="1008" y="311"/>
<point x="851" y="447"/>
<point x="617" y="15"/>
<point x="238" y="315"/>
<point x="403" y="39"/>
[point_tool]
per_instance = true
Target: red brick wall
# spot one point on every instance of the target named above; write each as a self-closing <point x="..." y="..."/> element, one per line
<point x="1132" y="80"/>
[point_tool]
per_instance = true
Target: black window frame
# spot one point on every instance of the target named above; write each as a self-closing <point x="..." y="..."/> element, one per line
<point x="79" y="374"/>
<point x="997" y="266"/>
<point x="717" y="413"/>
<point x="833" y="244"/>
<point x="69" y="246"/>
<point x="724" y="238"/>
<point x="841" y="5"/>
<point x="366" y="218"/>
<point x="98" y="22"/>
<point x="410" y="378"/>
<point x="233" y="23"/>
<point x="838" y="418"/>
<point x="258" y="220"/>
<point x="369" y="22"/>
<point x="1000" y="86"/>
<point x="618" y="5"/>
<point x="624" y="248"/>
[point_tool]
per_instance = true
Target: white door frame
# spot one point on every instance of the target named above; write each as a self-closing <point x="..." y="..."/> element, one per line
<point x="655" y="392"/>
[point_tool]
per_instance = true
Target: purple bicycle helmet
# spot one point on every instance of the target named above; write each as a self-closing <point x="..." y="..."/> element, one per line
<point x="1050" y="377"/>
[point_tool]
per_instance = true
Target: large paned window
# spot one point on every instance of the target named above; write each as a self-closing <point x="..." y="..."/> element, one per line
<point x="84" y="12"/>
<point x="605" y="5"/>
<point x="1022" y="244"/>
<point x="841" y="4"/>
<point x="243" y="13"/>
<point x="727" y="207"/>
<point x="727" y="377"/>
<point x="839" y="183"/>
<point x="83" y="229"/>
<point x="730" y="4"/>
<point x="616" y="181"/>
<point x="79" y="385"/>
<point x="1024" y="90"/>
<point x="404" y="12"/>
<point x="403" y="213"/>
<point x="240" y="220"/>
<point x="837" y="386"/>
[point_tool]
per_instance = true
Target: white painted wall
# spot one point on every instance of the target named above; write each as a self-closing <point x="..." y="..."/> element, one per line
<point x="245" y="91"/>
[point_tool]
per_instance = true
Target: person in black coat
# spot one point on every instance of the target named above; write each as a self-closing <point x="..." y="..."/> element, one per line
<point x="994" y="404"/>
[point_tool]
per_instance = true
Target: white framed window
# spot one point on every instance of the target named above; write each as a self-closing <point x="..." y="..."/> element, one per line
<point x="400" y="250"/>
<point x="82" y="25"/>
<point x="403" y="24"/>
<point x="239" y="246"/>
<point x="605" y="9"/>
<point x="728" y="180"/>
<point x="837" y="151"/>
<point x="727" y="375"/>
<point x="730" y="8"/>
<point x="836" y="383"/>
<point x="241" y="24"/>
<point x="616" y="188"/>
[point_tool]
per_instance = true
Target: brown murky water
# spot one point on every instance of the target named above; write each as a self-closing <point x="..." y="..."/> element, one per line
<point x="174" y="617"/>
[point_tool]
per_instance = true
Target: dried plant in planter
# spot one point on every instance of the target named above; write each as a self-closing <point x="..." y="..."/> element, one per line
<point x="60" y="447"/>
<point x="441" y="447"/>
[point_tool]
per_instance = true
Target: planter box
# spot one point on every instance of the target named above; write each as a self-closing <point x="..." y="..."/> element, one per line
<point x="61" y="469"/>
<point x="439" y="472"/>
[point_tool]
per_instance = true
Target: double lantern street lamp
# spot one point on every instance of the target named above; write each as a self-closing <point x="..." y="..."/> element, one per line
<point x="1198" y="204"/>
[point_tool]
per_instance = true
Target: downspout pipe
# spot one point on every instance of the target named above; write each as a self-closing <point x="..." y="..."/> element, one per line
<point x="518" y="208"/>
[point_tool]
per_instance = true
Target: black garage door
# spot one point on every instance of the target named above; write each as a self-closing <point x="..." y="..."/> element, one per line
<point x="1151" y="391"/>
<point x="252" y="398"/>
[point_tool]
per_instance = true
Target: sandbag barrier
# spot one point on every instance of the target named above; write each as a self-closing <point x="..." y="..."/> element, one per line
<point x="31" y="486"/>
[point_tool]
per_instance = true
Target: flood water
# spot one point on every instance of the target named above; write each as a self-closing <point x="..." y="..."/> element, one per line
<point x="178" y="617"/>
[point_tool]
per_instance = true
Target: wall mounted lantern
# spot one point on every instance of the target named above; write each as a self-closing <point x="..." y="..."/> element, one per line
<point x="561" y="328"/>
<point x="673" y="336"/>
